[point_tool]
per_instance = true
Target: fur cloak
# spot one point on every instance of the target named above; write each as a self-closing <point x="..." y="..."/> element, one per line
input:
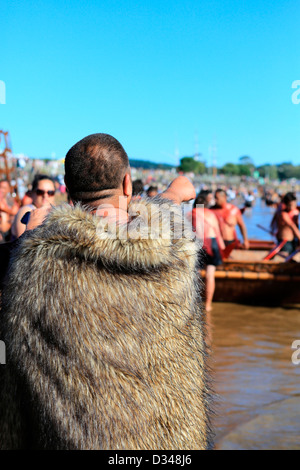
<point x="104" y="337"/>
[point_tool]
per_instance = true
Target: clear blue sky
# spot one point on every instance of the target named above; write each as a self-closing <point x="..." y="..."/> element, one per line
<point x="157" y="75"/>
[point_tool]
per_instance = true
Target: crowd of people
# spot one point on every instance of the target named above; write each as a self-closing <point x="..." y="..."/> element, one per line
<point x="214" y="218"/>
<point x="11" y="212"/>
<point x="106" y="340"/>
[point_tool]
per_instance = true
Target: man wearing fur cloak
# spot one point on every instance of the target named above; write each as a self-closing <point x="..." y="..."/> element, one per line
<point x="102" y="319"/>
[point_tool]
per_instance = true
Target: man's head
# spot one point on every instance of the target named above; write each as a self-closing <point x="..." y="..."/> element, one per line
<point x="201" y="200"/>
<point x="97" y="169"/>
<point x="152" y="191"/>
<point x="5" y="187"/>
<point x="290" y="201"/>
<point x="221" y="197"/>
<point x="208" y="196"/>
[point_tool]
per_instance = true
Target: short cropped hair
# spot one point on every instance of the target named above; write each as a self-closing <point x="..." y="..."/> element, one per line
<point x="96" y="163"/>
<point x="221" y="191"/>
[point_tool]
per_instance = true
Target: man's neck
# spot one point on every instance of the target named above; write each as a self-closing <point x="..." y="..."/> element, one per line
<point x="114" y="208"/>
<point x="222" y="206"/>
<point x="115" y="200"/>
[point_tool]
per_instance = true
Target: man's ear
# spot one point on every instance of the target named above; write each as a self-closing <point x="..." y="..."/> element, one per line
<point x="127" y="185"/>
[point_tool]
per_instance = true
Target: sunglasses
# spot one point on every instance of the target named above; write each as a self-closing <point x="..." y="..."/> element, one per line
<point x="41" y="192"/>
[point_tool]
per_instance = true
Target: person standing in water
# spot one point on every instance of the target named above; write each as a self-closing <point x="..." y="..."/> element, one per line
<point x="206" y="226"/>
<point x="229" y="216"/>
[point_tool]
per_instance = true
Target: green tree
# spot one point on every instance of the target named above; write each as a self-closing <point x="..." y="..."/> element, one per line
<point x="245" y="170"/>
<point x="297" y="172"/>
<point x="286" y="171"/>
<point x="230" y="169"/>
<point x="268" y="171"/>
<point x="245" y="160"/>
<point x="189" y="164"/>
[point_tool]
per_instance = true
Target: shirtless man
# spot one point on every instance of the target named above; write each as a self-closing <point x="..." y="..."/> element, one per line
<point x="206" y="226"/>
<point x="287" y="223"/>
<point x="229" y="216"/>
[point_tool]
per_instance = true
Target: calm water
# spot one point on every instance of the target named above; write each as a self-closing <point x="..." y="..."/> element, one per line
<point x="258" y="386"/>
<point x="260" y="214"/>
<point x="257" y="383"/>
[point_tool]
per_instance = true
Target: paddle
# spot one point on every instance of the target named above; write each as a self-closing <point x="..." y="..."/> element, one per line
<point x="275" y="250"/>
<point x="291" y="256"/>
<point x="264" y="229"/>
<point x="226" y="253"/>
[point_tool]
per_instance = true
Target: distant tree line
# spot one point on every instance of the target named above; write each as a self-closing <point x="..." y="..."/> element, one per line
<point x="282" y="171"/>
<point x="149" y="165"/>
<point x="245" y="167"/>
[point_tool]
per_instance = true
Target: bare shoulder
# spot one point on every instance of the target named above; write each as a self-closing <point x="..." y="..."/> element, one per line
<point x="234" y="210"/>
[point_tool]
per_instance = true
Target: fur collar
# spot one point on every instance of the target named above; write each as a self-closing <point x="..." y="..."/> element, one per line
<point x="147" y="242"/>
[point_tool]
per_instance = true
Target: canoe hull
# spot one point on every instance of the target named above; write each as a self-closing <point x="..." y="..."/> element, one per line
<point x="257" y="283"/>
<point x="257" y="292"/>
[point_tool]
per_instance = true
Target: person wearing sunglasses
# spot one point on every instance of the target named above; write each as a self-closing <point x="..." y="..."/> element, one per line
<point x="43" y="194"/>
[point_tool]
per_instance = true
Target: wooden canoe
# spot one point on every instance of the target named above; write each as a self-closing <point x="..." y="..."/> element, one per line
<point x="246" y="278"/>
<point x="261" y="245"/>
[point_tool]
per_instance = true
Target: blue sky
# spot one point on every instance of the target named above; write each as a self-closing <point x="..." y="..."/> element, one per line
<point x="166" y="78"/>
